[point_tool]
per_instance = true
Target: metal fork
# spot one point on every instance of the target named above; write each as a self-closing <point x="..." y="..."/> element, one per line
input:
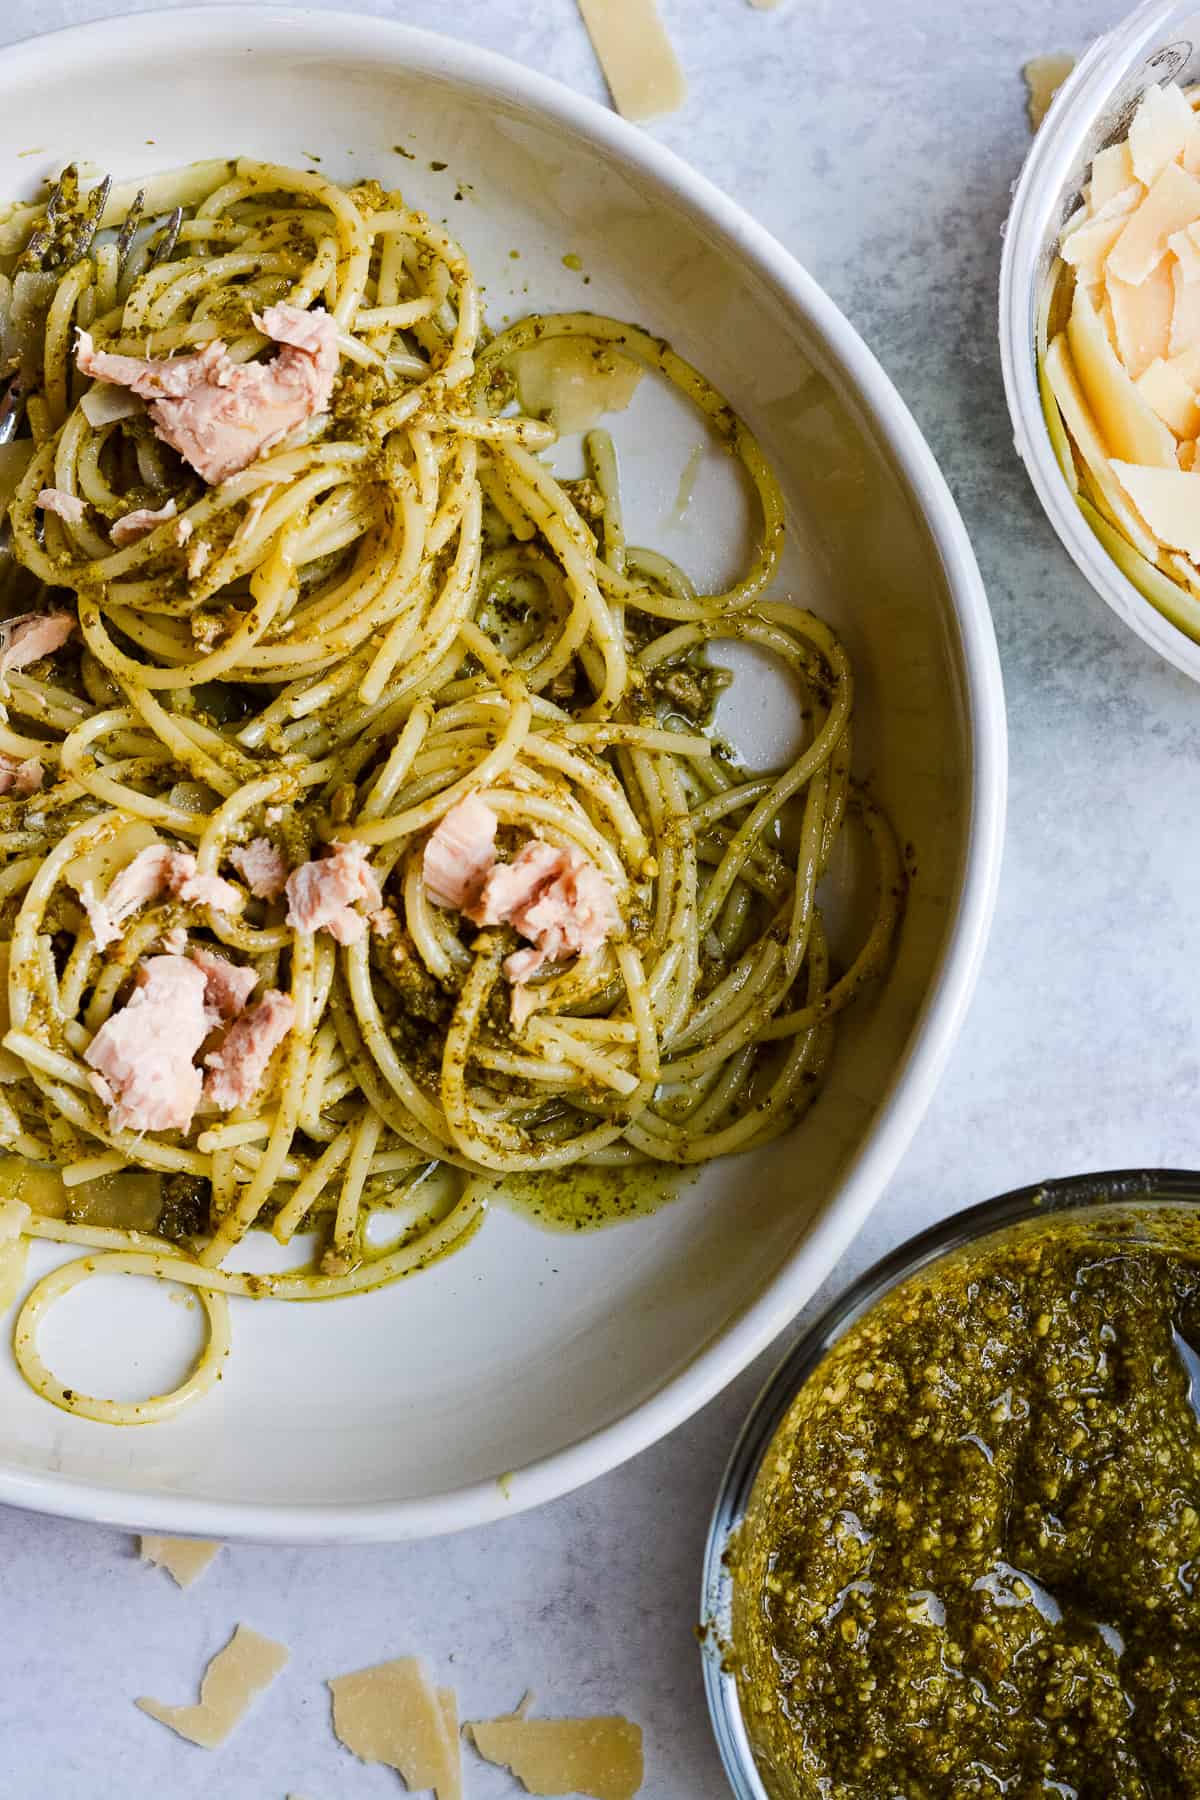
<point x="12" y="408"/>
<point x="64" y="237"/>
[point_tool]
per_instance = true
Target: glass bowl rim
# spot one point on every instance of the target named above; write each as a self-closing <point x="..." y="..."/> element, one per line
<point x="1103" y="1192"/>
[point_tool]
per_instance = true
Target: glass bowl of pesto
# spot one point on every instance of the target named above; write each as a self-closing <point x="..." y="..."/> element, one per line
<point x="956" y="1550"/>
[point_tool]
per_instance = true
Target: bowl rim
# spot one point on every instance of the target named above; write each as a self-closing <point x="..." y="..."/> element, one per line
<point x="1037" y="194"/>
<point x="1084" y="1196"/>
<point x="727" y="1352"/>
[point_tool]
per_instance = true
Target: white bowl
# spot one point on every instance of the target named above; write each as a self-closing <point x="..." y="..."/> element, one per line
<point x="530" y="1362"/>
<point x="1157" y="43"/>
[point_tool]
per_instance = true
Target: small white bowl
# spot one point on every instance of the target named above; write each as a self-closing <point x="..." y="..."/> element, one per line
<point x="1160" y="42"/>
<point x="530" y="1362"/>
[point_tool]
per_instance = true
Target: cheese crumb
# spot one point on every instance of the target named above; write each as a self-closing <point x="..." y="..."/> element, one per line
<point x="1044" y="75"/>
<point x="232" y="1681"/>
<point x="184" y="1559"/>
<point x="391" y="1713"/>
<point x="635" y="53"/>
<point x="601" y="1757"/>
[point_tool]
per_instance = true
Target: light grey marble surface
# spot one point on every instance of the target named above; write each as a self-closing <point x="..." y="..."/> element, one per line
<point x="879" y="141"/>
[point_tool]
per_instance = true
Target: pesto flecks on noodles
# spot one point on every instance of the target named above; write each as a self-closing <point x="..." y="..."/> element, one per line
<point x="363" y="837"/>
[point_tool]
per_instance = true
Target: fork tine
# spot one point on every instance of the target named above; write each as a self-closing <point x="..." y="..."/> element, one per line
<point x="61" y="203"/>
<point x="42" y="236"/>
<point x="128" y="231"/>
<point x="93" y="212"/>
<point x="165" y="247"/>
<point x="12" y="407"/>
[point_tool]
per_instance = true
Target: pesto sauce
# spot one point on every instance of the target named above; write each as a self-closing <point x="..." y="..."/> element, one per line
<point x="585" y="1199"/>
<point x="971" y="1560"/>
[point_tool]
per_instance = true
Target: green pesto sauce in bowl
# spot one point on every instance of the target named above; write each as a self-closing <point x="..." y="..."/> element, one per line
<point x="970" y="1564"/>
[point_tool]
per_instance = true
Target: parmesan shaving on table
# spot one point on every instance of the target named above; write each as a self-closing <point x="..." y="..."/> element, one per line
<point x="1044" y="75"/>
<point x="635" y="53"/>
<point x="392" y="1713"/>
<point x="232" y="1681"/>
<point x="601" y="1757"/>
<point x="184" y="1559"/>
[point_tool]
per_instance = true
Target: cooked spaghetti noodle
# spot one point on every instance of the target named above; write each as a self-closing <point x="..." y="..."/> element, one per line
<point x="395" y="606"/>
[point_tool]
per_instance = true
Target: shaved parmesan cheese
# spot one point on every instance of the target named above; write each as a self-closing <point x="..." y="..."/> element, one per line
<point x="105" y="403"/>
<point x="601" y="1757"/>
<point x="14" y="1249"/>
<point x="1172" y="203"/>
<point x="1112" y="174"/>
<point x="1187" y="572"/>
<point x="634" y="51"/>
<point x="1103" y="305"/>
<point x="1080" y="216"/>
<point x="574" y="381"/>
<point x="1187" y="364"/>
<point x="1044" y="75"/>
<point x="1060" y="374"/>
<point x="1161" y="127"/>
<point x="448" y="1702"/>
<point x="392" y="1714"/>
<point x="1127" y="425"/>
<point x="1172" y="397"/>
<point x="184" y="1559"/>
<point x="1142" y="317"/>
<point x="1185" y="315"/>
<point x="1183" y="248"/>
<point x="1054" y="419"/>
<point x="232" y="1681"/>
<point x="1121" y="204"/>
<point x="1087" y="249"/>
<point x="1161" y="591"/>
<point x="1168" y="500"/>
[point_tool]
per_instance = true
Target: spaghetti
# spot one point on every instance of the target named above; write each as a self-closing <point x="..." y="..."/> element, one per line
<point x="393" y="607"/>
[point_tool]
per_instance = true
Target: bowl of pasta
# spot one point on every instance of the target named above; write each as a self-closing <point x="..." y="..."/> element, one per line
<point x="502" y="769"/>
